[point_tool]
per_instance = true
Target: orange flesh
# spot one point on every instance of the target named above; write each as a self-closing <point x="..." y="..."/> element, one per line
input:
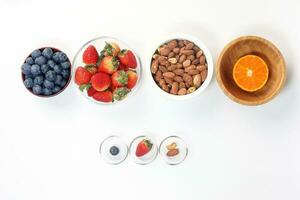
<point x="250" y="73"/>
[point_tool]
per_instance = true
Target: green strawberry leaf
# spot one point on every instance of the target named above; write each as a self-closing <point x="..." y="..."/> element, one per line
<point x="115" y="62"/>
<point x="108" y="49"/>
<point x="84" y="87"/>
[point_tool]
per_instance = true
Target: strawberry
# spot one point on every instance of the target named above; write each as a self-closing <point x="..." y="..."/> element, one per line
<point x="90" y="55"/>
<point x="119" y="78"/>
<point x="123" y="67"/>
<point x="120" y="93"/>
<point x="91" y="91"/>
<point x="127" y="58"/>
<point x="104" y="96"/>
<point x="91" y="68"/>
<point x="82" y="76"/>
<point x="143" y="148"/>
<point x="108" y="65"/>
<point x="111" y="49"/>
<point x="132" y="79"/>
<point x="100" y="81"/>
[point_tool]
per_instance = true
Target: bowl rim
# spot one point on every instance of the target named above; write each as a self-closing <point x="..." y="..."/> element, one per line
<point x="140" y="76"/>
<point x="62" y="89"/>
<point x="206" y="52"/>
<point x="245" y="102"/>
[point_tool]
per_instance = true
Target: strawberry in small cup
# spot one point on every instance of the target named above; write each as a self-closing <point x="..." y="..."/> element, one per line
<point x="119" y="78"/>
<point x="90" y="55"/>
<point x="143" y="147"/>
<point x="127" y="58"/>
<point x="104" y="96"/>
<point x="109" y="65"/>
<point x="132" y="79"/>
<point x="100" y="81"/>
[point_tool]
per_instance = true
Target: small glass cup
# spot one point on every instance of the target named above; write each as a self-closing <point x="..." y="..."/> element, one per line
<point x="148" y="157"/>
<point x="173" y="150"/>
<point x="119" y="146"/>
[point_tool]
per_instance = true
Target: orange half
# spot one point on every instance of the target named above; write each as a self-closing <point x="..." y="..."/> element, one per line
<point x="250" y="73"/>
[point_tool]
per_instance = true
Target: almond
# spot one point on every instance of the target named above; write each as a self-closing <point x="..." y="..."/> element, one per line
<point x="171" y="146"/>
<point x="172" y="60"/>
<point x="182" y="91"/>
<point x="165" y="88"/>
<point x="154" y="66"/>
<point x="199" y="54"/>
<point x="169" y="75"/>
<point x="191" y="67"/>
<point x="179" y="72"/>
<point x="179" y="65"/>
<point x="191" y="57"/>
<point x="181" y="85"/>
<point x="172" y="68"/>
<point x="189" y="46"/>
<point x="203" y="75"/>
<point x="171" y="54"/>
<point x="197" y="80"/>
<point x="187" y="78"/>
<point x="172" y="152"/>
<point x="196" y="62"/>
<point x="162" y="68"/>
<point x="169" y="81"/>
<point x="174" y="88"/>
<point x="178" y="79"/>
<point x="191" y="90"/>
<point x="202" y="60"/>
<point x="164" y="51"/>
<point x="201" y="67"/>
<point x="193" y="72"/>
<point x="180" y="43"/>
<point x="162" y="60"/>
<point x="186" y="63"/>
<point x="172" y="44"/>
<point x="182" y="58"/>
<point x="176" y="50"/>
<point x="187" y="52"/>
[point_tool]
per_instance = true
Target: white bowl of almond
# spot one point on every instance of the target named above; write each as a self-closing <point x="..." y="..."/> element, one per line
<point x="181" y="67"/>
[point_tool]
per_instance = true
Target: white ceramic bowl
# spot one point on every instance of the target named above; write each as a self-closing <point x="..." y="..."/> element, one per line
<point x="209" y="60"/>
<point x="99" y="43"/>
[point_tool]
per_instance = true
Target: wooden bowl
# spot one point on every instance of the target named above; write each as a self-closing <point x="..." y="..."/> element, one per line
<point x="256" y="46"/>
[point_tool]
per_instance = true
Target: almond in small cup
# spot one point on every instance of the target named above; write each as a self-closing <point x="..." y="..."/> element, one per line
<point x="181" y="67"/>
<point x="173" y="150"/>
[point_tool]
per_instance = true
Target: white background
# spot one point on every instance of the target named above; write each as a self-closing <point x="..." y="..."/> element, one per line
<point x="49" y="147"/>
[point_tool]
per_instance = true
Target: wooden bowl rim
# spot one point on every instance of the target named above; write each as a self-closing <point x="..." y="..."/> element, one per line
<point x="245" y="102"/>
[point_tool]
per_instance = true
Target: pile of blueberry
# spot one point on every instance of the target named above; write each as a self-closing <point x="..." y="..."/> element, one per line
<point x="46" y="71"/>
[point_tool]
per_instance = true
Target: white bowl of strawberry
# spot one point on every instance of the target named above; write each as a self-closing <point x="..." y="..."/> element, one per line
<point x="106" y="70"/>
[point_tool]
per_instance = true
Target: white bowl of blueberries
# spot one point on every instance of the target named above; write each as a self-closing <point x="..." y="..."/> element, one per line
<point x="46" y="72"/>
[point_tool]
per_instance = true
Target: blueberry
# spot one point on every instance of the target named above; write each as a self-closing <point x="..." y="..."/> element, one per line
<point x="47" y="92"/>
<point x="48" y="84"/>
<point x="47" y="52"/>
<point x="45" y="68"/>
<point x="28" y="82"/>
<point x="29" y="60"/>
<point x="36" y="53"/>
<point x="65" y="73"/>
<point x="57" y="69"/>
<point x="51" y="63"/>
<point x="56" y="89"/>
<point x="58" y="80"/>
<point x="35" y="69"/>
<point x="62" y="57"/>
<point x="29" y="76"/>
<point x="50" y="75"/>
<point x="114" y="150"/>
<point x="38" y="80"/>
<point x="65" y="65"/>
<point x="40" y="60"/>
<point x="37" y="89"/>
<point x="26" y="69"/>
<point x="55" y="57"/>
<point x="63" y="83"/>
